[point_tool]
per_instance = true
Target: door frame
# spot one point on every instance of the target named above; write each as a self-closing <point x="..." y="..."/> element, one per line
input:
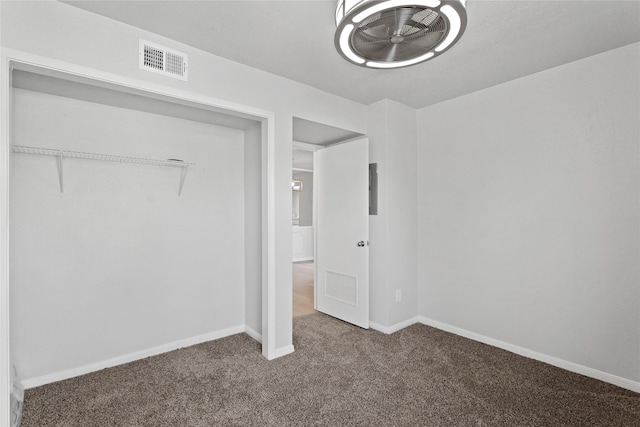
<point x="14" y="59"/>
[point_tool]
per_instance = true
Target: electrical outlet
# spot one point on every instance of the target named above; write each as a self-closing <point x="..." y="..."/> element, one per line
<point x="398" y="295"/>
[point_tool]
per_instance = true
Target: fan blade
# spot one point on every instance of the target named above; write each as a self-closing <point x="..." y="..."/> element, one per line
<point x="424" y="40"/>
<point x="398" y="34"/>
<point x="394" y="20"/>
<point x="402" y="17"/>
<point x="388" y="53"/>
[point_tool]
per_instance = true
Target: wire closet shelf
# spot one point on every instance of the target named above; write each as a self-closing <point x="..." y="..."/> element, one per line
<point x="68" y="154"/>
<point x="95" y="156"/>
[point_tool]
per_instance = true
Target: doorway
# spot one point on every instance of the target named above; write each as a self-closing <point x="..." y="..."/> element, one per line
<point x="308" y="138"/>
<point x="302" y="245"/>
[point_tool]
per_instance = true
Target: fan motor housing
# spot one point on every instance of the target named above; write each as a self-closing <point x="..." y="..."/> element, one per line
<point x="397" y="33"/>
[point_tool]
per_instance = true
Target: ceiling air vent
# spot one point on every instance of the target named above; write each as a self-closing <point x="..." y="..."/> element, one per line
<point x="162" y="60"/>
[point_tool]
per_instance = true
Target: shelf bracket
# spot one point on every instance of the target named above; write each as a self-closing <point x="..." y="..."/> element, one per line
<point x="183" y="175"/>
<point x="60" y="162"/>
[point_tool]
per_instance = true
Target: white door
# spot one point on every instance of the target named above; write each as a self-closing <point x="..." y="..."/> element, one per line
<point x="341" y="176"/>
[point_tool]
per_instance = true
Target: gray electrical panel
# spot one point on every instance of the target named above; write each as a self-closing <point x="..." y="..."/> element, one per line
<point x="373" y="189"/>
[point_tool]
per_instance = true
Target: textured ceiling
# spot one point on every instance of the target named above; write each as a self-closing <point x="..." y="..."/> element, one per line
<point x="504" y="40"/>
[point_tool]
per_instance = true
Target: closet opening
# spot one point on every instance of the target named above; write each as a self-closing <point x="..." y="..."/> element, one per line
<point x="140" y="222"/>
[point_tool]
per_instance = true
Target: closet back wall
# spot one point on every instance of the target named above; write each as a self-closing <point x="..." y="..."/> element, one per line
<point x="119" y="263"/>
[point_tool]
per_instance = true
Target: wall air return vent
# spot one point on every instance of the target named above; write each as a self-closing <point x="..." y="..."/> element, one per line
<point x="162" y="60"/>
<point x="341" y="287"/>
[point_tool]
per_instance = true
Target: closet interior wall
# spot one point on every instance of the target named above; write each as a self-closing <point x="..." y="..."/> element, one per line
<point x="119" y="263"/>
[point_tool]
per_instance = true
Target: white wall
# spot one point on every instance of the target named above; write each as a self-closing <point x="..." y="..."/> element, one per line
<point x="253" y="242"/>
<point x="393" y="232"/>
<point x="119" y="263"/>
<point x="56" y="30"/>
<point x="379" y="295"/>
<point x="528" y="197"/>
<point x="302" y="243"/>
<point x="306" y="198"/>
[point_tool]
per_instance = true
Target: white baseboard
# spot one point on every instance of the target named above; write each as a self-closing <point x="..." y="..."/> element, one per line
<point x="393" y="328"/>
<point x="283" y="351"/>
<point x="253" y="334"/>
<point x="560" y="363"/>
<point x="126" y="358"/>
<point x="303" y="259"/>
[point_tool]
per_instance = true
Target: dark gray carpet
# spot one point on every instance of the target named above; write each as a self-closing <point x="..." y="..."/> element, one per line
<point x="340" y="375"/>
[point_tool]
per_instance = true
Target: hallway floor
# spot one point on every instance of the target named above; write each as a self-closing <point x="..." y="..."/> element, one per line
<point x="303" y="273"/>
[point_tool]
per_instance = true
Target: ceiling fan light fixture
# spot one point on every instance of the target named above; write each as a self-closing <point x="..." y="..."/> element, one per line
<point x="345" y="48"/>
<point x="373" y="64"/>
<point x="397" y="33"/>
<point x="454" y="27"/>
<point x="379" y="7"/>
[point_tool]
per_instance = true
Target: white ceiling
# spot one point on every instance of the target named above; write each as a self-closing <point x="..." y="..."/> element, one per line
<point x="504" y="40"/>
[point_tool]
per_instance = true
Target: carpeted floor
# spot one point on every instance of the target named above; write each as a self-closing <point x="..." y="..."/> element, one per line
<point x="340" y="375"/>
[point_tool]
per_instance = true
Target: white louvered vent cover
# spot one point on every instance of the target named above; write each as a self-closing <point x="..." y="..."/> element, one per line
<point x="342" y="288"/>
<point x="162" y="60"/>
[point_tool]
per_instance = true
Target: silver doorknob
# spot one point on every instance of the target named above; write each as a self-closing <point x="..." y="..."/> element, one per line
<point x="361" y="243"/>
